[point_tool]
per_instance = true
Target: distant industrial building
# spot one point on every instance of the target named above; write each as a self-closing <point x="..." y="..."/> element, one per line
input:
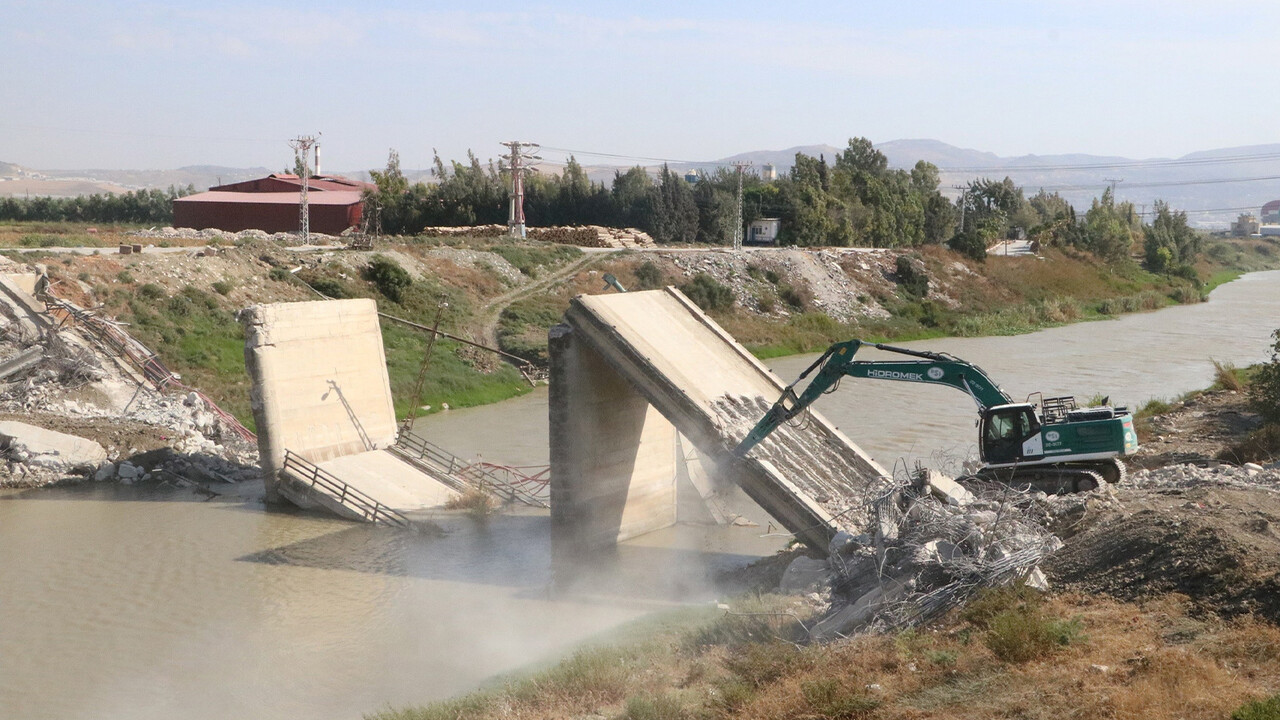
<point x="763" y="231"/>
<point x="271" y="204"/>
<point x="1245" y="225"/>
<point x="768" y="172"/>
<point x="1271" y="213"/>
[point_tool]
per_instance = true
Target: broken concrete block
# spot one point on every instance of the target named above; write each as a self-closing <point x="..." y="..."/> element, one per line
<point x="840" y="542"/>
<point x="1036" y="579"/>
<point x="855" y="616"/>
<point x="128" y="471"/>
<point x="1252" y="468"/>
<point x="946" y="489"/>
<point x="805" y="574"/>
<point x="104" y="473"/>
<point x="49" y="449"/>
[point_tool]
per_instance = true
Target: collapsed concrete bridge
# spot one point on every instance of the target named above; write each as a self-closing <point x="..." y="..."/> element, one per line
<point x="630" y="370"/>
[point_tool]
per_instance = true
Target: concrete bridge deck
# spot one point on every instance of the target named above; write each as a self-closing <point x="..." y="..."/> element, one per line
<point x="627" y="371"/>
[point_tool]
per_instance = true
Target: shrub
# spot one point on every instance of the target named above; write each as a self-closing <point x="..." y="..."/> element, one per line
<point x="124" y="276"/>
<point x="649" y="275"/>
<point x="1267" y="709"/>
<point x="223" y="287"/>
<point x="280" y="274"/>
<point x="1226" y="376"/>
<point x="330" y="287"/>
<point x="388" y="277"/>
<point x="1264" y="387"/>
<point x="707" y="293"/>
<point x="151" y="291"/>
<point x="912" y="277"/>
<point x="1025" y="633"/>
<point x="970" y="244"/>
<point x="829" y="698"/>
<point x="799" y="298"/>
<point x="1259" y="446"/>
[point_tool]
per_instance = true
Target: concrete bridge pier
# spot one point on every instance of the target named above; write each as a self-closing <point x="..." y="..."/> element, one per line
<point x="613" y="454"/>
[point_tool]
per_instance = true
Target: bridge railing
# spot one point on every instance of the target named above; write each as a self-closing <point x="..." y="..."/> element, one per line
<point x="313" y="476"/>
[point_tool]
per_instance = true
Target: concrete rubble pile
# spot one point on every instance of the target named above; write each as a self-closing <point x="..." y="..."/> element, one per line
<point x="284" y="238"/>
<point x="594" y="236"/>
<point x="58" y="373"/>
<point x="930" y="546"/>
<point x="1246" y="477"/>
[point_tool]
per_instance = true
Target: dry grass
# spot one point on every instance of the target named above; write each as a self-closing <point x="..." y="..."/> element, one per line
<point x="1125" y="661"/>
<point x="476" y="502"/>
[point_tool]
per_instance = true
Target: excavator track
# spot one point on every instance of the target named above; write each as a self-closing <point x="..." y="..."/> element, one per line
<point x="1052" y="480"/>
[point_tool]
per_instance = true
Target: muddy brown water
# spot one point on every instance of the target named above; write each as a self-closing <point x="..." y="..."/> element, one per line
<point x="120" y="602"/>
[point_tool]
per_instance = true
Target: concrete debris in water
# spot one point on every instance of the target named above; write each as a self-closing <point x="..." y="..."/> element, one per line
<point x="30" y="447"/>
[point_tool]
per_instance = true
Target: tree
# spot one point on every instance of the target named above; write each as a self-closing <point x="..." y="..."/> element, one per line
<point x="1108" y="232"/>
<point x="1168" y="241"/>
<point x="675" y="214"/>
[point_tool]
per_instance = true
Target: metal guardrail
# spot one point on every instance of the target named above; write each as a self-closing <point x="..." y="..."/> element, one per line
<point x="506" y="482"/>
<point x="329" y="485"/>
<point x="111" y="339"/>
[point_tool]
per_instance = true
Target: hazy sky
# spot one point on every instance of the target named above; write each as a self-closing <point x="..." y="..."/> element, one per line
<point x="161" y="85"/>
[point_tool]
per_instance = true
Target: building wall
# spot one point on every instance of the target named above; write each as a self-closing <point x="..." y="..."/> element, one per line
<point x="269" y="217"/>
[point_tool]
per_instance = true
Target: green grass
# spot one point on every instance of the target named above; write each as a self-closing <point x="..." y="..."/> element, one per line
<point x="523" y="325"/>
<point x="534" y="259"/>
<point x="1266" y="709"/>
<point x="449" y="379"/>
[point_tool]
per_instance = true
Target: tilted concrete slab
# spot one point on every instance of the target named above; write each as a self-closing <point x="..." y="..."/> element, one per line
<point x="321" y="391"/>
<point x="381" y="475"/>
<point x="665" y="350"/>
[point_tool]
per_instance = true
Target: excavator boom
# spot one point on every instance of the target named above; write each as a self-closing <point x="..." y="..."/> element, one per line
<point x="838" y="361"/>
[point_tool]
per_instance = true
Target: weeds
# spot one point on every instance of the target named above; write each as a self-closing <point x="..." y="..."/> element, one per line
<point x="476" y="502"/>
<point x="707" y="293"/>
<point x="1267" y="709"/>
<point x="1226" y="376"/>
<point x="662" y="706"/>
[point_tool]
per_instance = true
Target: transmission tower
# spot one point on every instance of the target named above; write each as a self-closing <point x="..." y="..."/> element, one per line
<point x="302" y="148"/>
<point x="737" y="227"/>
<point x="516" y="155"/>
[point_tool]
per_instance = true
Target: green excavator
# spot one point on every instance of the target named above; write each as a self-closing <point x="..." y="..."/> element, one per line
<point x="1050" y="445"/>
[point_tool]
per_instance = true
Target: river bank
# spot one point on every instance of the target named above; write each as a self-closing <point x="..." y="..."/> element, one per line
<point x="776" y="301"/>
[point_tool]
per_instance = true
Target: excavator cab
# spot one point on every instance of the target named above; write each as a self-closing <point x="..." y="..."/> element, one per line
<point x="1010" y="434"/>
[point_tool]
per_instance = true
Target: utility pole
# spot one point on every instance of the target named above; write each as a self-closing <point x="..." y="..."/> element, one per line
<point x="516" y="156"/>
<point x="964" y="196"/>
<point x="302" y="148"/>
<point x="737" y="227"/>
<point x="1113" y="182"/>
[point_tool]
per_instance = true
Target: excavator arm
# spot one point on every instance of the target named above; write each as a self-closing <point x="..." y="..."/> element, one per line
<point x="838" y="362"/>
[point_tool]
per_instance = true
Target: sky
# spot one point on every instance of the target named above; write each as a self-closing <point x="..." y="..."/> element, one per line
<point x="143" y="85"/>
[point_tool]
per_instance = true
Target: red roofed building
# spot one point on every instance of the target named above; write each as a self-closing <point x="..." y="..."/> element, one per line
<point x="1271" y="213"/>
<point x="271" y="204"/>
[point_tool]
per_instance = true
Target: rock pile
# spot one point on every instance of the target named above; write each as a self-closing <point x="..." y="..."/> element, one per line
<point x="213" y="234"/>
<point x="581" y="235"/>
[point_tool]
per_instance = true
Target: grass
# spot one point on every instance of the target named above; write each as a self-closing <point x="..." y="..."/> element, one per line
<point x="534" y="259"/>
<point x="477" y="503"/>
<point x="1089" y="657"/>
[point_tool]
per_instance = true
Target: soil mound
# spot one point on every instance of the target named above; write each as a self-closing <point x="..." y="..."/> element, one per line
<point x="1217" y="544"/>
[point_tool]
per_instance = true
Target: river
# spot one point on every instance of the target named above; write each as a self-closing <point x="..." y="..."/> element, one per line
<point x="123" y="602"/>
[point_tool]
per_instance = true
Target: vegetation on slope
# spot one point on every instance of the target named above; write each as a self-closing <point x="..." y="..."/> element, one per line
<point x="1011" y="653"/>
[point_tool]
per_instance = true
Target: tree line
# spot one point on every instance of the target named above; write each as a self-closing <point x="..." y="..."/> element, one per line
<point x="142" y="207"/>
<point x="856" y="199"/>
